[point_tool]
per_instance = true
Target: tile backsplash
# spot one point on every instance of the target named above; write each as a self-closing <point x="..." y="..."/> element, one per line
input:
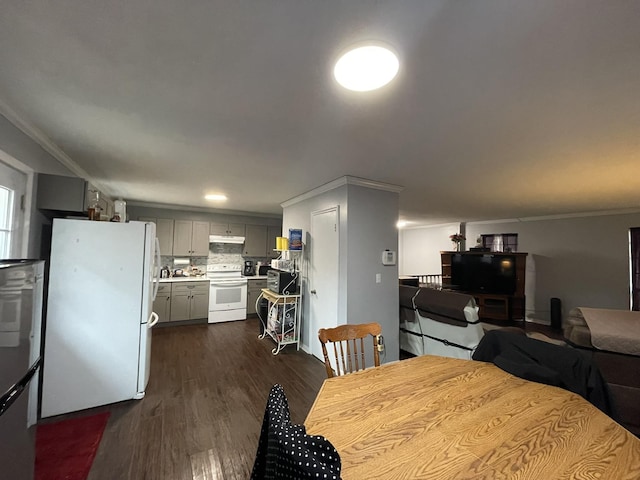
<point x="218" y="253"/>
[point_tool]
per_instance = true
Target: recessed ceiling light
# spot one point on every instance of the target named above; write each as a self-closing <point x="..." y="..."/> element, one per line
<point x="215" y="197"/>
<point x="366" y="68"/>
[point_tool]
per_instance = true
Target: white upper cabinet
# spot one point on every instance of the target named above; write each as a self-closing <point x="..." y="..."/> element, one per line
<point x="164" y="232"/>
<point x="191" y="238"/>
<point x="255" y="242"/>
<point x="231" y="229"/>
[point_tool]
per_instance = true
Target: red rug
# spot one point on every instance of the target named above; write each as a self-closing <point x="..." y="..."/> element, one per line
<point x="65" y="450"/>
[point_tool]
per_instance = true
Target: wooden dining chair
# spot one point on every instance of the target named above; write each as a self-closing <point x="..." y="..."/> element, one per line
<point x="348" y="347"/>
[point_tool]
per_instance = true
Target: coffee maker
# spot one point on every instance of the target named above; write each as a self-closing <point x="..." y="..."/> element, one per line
<point x="248" y="268"/>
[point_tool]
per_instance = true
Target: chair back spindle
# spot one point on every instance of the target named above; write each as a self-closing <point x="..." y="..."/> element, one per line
<point x="349" y="347"/>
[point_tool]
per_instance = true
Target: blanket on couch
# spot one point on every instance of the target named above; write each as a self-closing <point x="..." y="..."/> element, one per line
<point x="613" y="330"/>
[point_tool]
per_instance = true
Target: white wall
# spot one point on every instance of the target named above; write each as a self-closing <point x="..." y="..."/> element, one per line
<point x="582" y="260"/>
<point x="420" y="248"/>
<point x="367" y="227"/>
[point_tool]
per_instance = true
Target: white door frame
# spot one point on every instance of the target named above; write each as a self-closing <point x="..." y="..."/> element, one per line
<point x="23" y="250"/>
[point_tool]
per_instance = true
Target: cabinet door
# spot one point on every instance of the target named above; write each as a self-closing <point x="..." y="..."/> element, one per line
<point x="180" y="303"/>
<point x="218" y="228"/>
<point x="182" y="235"/>
<point x="273" y="231"/>
<point x="255" y="242"/>
<point x="199" y="304"/>
<point x="57" y="192"/>
<point x="200" y="239"/>
<point x="236" y="229"/>
<point x="252" y="296"/>
<point x="164" y="232"/>
<point x="162" y="306"/>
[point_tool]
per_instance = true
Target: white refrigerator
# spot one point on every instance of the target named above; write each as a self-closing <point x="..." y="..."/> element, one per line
<point x="102" y="283"/>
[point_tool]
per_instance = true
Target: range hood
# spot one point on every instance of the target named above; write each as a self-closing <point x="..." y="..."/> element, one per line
<point x="225" y="239"/>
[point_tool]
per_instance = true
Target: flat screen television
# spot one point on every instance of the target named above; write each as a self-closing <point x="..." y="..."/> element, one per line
<point x="484" y="273"/>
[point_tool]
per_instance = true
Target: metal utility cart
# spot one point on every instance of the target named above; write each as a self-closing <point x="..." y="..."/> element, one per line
<point x="283" y="319"/>
<point x="284" y="310"/>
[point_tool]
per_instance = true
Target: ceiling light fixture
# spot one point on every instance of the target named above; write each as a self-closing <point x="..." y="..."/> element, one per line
<point x="366" y="68"/>
<point x="216" y="197"/>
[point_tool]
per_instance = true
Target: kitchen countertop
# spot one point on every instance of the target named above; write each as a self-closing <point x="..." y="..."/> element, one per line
<point x="205" y="279"/>
<point x="184" y="279"/>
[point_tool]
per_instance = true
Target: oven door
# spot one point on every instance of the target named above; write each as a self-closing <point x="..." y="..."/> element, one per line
<point x="227" y="300"/>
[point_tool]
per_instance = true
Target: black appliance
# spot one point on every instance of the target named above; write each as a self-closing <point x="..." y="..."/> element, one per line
<point x="248" y="271"/>
<point x="282" y="283"/>
<point x="263" y="269"/>
<point x="21" y="290"/>
<point x="484" y="273"/>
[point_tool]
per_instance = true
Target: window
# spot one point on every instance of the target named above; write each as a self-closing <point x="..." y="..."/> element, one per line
<point x="6" y="221"/>
<point x="14" y="202"/>
<point x="500" y="242"/>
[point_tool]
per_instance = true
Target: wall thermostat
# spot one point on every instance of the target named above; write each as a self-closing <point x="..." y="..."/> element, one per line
<point x="388" y="257"/>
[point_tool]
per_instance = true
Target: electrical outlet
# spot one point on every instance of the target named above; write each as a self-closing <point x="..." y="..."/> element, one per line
<point x="380" y="339"/>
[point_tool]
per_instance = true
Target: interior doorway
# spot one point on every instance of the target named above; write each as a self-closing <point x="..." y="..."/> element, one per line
<point x="323" y="274"/>
<point x="634" y="267"/>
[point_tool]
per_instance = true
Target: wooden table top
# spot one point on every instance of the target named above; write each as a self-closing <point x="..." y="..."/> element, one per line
<point x="444" y="418"/>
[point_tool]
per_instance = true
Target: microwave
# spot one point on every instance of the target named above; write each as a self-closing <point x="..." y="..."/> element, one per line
<point x="282" y="283"/>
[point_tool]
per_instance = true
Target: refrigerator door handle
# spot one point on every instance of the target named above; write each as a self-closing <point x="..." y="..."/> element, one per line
<point x="14" y="392"/>
<point x="156" y="276"/>
<point x="153" y="319"/>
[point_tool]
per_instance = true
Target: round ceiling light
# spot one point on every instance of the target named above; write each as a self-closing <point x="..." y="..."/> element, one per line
<point x="216" y="197"/>
<point x="366" y="68"/>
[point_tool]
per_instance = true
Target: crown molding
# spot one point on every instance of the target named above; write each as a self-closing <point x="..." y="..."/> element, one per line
<point x="46" y="144"/>
<point x="339" y="182"/>
<point x="600" y="213"/>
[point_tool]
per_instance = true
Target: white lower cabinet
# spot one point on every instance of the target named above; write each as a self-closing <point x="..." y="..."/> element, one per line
<point x="189" y="301"/>
<point x="254" y="287"/>
<point x="180" y="301"/>
<point x="162" y="303"/>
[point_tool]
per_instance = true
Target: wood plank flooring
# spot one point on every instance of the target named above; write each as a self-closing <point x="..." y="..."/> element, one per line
<point x="202" y="413"/>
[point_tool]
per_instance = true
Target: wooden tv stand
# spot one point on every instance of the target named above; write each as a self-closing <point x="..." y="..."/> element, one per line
<point x="494" y="306"/>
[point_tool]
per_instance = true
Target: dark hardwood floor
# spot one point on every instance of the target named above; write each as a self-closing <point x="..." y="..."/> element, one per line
<point x="202" y="413"/>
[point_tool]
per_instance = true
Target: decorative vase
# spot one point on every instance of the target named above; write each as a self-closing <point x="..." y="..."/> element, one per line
<point x="456" y="246"/>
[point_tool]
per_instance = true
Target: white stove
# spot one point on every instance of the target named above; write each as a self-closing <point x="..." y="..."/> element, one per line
<point x="228" y="292"/>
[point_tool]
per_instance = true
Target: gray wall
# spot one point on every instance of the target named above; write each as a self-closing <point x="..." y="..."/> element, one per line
<point x="33" y="156"/>
<point x="25" y="150"/>
<point x="299" y="216"/>
<point x="420" y="248"/>
<point x="135" y="211"/>
<point x="367" y="227"/>
<point x="583" y="260"/>
<point x="371" y="229"/>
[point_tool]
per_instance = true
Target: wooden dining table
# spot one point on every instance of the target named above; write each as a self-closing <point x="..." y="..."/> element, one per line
<point x="444" y="418"/>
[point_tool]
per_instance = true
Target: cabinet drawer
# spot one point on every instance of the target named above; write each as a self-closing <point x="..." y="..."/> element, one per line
<point x="195" y="287"/>
<point x="257" y="284"/>
<point x="164" y="288"/>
